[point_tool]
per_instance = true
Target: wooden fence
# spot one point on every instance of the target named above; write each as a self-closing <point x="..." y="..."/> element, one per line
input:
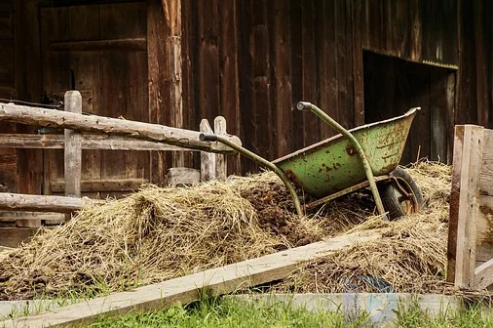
<point x="470" y="245"/>
<point x="115" y="134"/>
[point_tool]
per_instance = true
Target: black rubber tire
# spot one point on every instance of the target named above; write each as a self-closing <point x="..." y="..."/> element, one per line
<point x="390" y="199"/>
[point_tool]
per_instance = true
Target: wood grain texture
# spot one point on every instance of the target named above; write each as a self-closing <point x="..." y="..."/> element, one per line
<point x="37" y="203"/>
<point x="89" y="141"/>
<point x="229" y="73"/>
<point x="469" y="164"/>
<point x="112" y="185"/>
<point x="73" y="148"/>
<point x="172" y="16"/>
<point x="221" y="163"/>
<point x="207" y="160"/>
<point x="186" y="289"/>
<point x="94" y="123"/>
<point x="101" y="45"/>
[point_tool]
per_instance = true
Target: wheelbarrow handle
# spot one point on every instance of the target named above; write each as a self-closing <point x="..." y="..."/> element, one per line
<point x="304" y="105"/>
<point x="207" y="137"/>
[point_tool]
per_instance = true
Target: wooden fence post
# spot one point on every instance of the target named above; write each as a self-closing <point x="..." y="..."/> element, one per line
<point x="213" y="166"/>
<point x="464" y="204"/>
<point x="221" y="164"/>
<point x="73" y="149"/>
<point x="207" y="160"/>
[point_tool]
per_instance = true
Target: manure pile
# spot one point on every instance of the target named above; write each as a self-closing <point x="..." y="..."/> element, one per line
<point x="160" y="233"/>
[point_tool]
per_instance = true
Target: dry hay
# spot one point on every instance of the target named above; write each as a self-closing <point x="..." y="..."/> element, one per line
<point x="411" y="255"/>
<point x="153" y="235"/>
<point x="157" y="234"/>
<point x="4" y="251"/>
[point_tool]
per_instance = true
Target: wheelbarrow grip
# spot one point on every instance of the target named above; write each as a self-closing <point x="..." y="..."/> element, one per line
<point x="207" y="137"/>
<point x="304" y="105"/>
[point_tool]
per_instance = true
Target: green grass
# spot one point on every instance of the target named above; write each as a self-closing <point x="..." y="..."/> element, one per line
<point x="231" y="313"/>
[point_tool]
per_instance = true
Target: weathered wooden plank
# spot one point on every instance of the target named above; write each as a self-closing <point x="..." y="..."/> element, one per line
<point x="186" y="289"/>
<point x="106" y="185"/>
<point x="94" y="141"/>
<point x="281" y="79"/>
<point x="207" y="160"/>
<point x="28" y="59"/>
<point x="172" y="14"/>
<point x="9" y="179"/>
<point x="261" y="109"/>
<point x="311" y="88"/>
<point x="73" y="148"/>
<point x="327" y="70"/>
<point x="14" y="236"/>
<point x="37" y="203"/>
<point x="229" y="73"/>
<point x="357" y="24"/>
<point x="484" y="275"/>
<point x="20" y="218"/>
<point x="126" y="95"/>
<point x="158" y="86"/>
<point x="94" y="123"/>
<point x="208" y="59"/>
<point x="101" y="45"/>
<point x="245" y="70"/>
<point x="189" y="40"/>
<point x="221" y="164"/>
<point x="182" y="176"/>
<point x="344" y="63"/>
<point x="468" y="149"/>
<point x="296" y="117"/>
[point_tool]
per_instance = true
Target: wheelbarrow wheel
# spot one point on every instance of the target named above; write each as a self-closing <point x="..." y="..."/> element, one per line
<point x="400" y="195"/>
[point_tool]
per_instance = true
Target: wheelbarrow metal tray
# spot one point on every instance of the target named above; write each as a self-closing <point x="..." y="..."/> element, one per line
<point x="333" y="165"/>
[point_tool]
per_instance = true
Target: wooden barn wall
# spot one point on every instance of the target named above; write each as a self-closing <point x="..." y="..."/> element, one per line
<point x="475" y="82"/>
<point x="8" y="157"/>
<point x="251" y="61"/>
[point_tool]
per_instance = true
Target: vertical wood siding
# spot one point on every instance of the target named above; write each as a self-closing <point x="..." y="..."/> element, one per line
<point x="251" y="61"/>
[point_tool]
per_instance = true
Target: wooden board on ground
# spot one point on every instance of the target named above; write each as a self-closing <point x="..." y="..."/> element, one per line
<point x="188" y="288"/>
<point x="470" y="246"/>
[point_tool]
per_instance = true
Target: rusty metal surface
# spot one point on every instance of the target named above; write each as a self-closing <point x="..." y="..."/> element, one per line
<point x="332" y="165"/>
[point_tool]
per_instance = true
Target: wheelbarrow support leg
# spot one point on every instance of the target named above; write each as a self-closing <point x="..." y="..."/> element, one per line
<point x="302" y="105"/>
<point x="261" y="161"/>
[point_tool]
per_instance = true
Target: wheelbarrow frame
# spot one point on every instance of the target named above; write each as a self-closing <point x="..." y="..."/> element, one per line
<point x="370" y="181"/>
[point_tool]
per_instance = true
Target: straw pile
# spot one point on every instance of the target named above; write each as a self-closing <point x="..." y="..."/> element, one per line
<point x="153" y="235"/>
<point x="411" y="255"/>
<point x="160" y="233"/>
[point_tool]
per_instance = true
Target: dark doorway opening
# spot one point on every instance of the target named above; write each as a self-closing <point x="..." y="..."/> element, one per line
<point x="392" y="86"/>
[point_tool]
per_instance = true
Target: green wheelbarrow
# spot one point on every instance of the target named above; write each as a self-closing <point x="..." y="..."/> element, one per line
<point x="367" y="156"/>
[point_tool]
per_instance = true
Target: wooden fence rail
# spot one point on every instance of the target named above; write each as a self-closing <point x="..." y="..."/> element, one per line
<point x="97" y="132"/>
<point x="93" y="123"/>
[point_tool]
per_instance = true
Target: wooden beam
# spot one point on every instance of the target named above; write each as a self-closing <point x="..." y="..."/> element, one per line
<point x="182" y="176"/>
<point x="221" y="165"/>
<point x="207" y="162"/>
<point x="139" y="44"/>
<point x="94" y="123"/>
<point x="31" y="216"/>
<point x="172" y="17"/>
<point x="468" y="148"/>
<point x="89" y="141"/>
<point x="37" y="203"/>
<point x="187" y="289"/>
<point x="73" y="148"/>
<point x="159" y="84"/>
<point x="484" y="275"/>
<point x="101" y="185"/>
